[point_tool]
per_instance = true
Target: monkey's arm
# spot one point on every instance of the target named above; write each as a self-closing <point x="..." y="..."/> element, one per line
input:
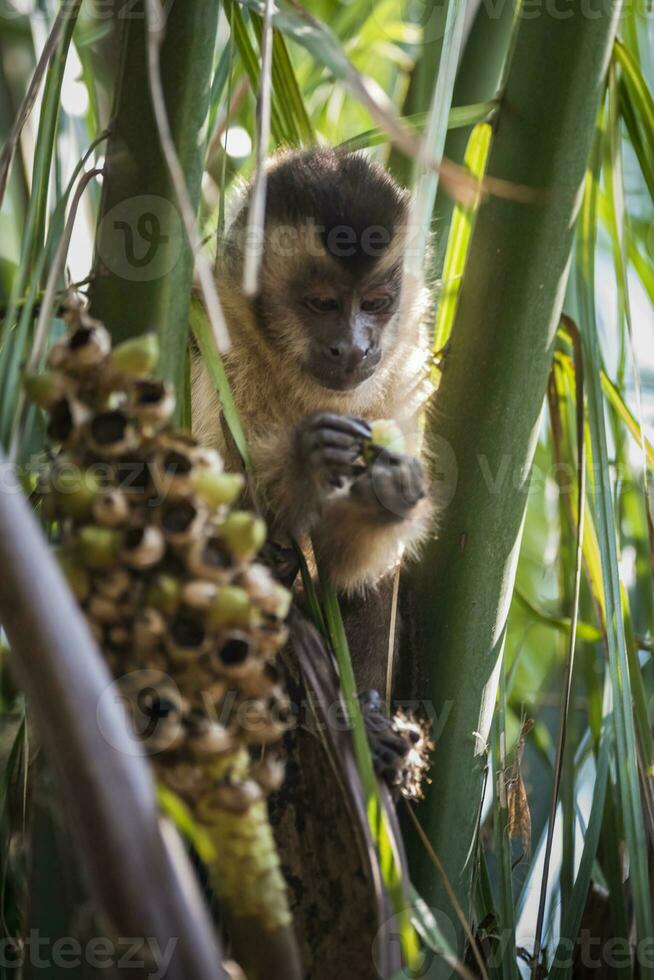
<point x="363" y="535"/>
<point x="361" y="520"/>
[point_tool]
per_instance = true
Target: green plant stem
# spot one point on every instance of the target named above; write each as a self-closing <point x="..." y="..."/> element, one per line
<point x="505" y="327"/>
<point x="144" y="263"/>
<point x="477" y="80"/>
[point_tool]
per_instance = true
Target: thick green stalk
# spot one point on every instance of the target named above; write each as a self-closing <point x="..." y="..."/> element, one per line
<point x="477" y="80"/>
<point x="489" y="405"/>
<point x="144" y="266"/>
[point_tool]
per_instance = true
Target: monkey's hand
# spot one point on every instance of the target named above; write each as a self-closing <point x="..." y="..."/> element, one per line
<point x="362" y="535"/>
<point x="326" y="447"/>
<point x="391" y="486"/>
<point x="296" y="471"/>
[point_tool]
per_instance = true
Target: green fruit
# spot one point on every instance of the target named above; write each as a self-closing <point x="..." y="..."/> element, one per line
<point x="385" y="434"/>
<point x="75" y="492"/>
<point x="231" y="607"/>
<point x="164" y="594"/>
<point x="44" y="389"/>
<point x="244" y="533"/>
<point x="216" y="488"/>
<point x="137" y="356"/>
<point x="98" y="546"/>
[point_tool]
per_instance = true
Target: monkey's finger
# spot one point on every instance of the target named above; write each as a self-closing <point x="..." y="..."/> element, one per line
<point x="336" y="439"/>
<point x="342" y="423"/>
<point x="389" y="487"/>
<point x="334" y="458"/>
<point x="415" y="484"/>
<point x="406" y="473"/>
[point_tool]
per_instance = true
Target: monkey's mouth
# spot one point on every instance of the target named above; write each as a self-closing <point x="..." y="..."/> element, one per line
<point x="339" y="378"/>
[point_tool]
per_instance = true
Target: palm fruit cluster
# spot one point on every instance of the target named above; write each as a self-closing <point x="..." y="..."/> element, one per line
<point x="163" y="564"/>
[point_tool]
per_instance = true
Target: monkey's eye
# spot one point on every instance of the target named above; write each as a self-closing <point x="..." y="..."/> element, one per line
<point x="377" y="304"/>
<point x="321" y="304"/>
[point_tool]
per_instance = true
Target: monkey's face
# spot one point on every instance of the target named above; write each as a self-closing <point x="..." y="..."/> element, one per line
<point x="346" y="326"/>
<point x="329" y="290"/>
<point x="332" y="319"/>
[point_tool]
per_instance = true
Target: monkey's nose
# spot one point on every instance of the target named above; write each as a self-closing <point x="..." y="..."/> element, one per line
<point x="348" y="356"/>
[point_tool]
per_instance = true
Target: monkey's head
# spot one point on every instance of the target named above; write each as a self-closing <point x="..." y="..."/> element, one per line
<point x="329" y="289"/>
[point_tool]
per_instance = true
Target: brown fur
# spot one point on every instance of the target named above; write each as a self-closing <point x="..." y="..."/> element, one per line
<point x="273" y="394"/>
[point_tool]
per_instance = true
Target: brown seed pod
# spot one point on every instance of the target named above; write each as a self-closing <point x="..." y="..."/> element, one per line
<point x="270" y="638"/>
<point x="143" y="546"/>
<point x="194" y="678"/>
<point x="199" y="594"/>
<point x="85" y="348"/>
<point x="132" y="474"/>
<point x="112" y="434"/>
<point x="207" y="737"/>
<point x="260" y="683"/>
<point x="263" y="720"/>
<point x="152" y="401"/>
<point x="208" y="557"/>
<point x="110" y="507"/>
<point x="157" y="709"/>
<point x="163" y="566"/>
<point x="172" y="468"/>
<point x="114" y="584"/>
<point x="149" y="629"/>
<point x="181" y="520"/>
<point x="233" y="654"/>
<point x="68" y="419"/>
<point x="186" y="635"/>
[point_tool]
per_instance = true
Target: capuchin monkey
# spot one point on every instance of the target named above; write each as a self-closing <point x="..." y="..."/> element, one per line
<point x="334" y="339"/>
